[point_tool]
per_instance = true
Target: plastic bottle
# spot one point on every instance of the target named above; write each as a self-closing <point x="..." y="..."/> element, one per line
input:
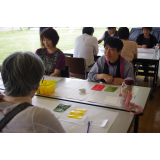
<point x="157" y="51"/>
<point x="126" y="86"/>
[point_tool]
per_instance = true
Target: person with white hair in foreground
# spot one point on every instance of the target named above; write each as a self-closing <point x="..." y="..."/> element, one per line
<point x="21" y="73"/>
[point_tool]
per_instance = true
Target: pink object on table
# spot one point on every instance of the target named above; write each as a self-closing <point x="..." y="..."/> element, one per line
<point x="98" y="87"/>
<point x="127" y="103"/>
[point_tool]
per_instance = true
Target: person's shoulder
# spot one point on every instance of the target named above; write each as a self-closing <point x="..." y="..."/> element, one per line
<point x="153" y="36"/>
<point x="38" y="51"/>
<point x="79" y="36"/>
<point x="132" y="42"/>
<point x="41" y="112"/>
<point x="127" y="62"/>
<point x="94" y="38"/>
<point x="101" y="59"/>
<point x="61" y="53"/>
<point x="141" y="35"/>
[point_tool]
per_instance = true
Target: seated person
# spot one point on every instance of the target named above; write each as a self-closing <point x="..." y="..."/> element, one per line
<point x="21" y="74"/>
<point x="112" y="32"/>
<point x="129" y="50"/>
<point x="86" y="46"/>
<point x="146" y="40"/>
<point x="111" y="67"/>
<point x="52" y="57"/>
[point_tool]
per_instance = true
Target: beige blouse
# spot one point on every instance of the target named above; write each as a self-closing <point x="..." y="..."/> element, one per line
<point x="129" y="49"/>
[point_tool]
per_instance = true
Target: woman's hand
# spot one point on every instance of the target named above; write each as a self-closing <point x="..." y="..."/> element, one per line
<point x="56" y="72"/>
<point x="144" y="46"/>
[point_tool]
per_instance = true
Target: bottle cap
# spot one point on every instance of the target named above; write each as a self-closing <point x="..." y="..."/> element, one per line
<point x="129" y="81"/>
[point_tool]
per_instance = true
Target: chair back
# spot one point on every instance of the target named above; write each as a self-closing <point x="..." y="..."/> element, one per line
<point x="77" y="67"/>
<point x="65" y="73"/>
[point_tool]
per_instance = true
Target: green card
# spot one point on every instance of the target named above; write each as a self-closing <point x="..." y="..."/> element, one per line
<point x="61" y="108"/>
<point x="111" y="89"/>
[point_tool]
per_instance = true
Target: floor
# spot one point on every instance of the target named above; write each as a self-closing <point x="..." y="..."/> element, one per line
<point x="150" y="121"/>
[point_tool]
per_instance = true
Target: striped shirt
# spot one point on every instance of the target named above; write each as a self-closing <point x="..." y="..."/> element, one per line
<point x="129" y="50"/>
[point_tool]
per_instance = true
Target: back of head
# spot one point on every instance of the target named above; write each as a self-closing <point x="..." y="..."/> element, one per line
<point x="51" y="34"/>
<point x="148" y="28"/>
<point x="123" y="33"/>
<point x="114" y="42"/>
<point x="110" y="28"/>
<point x="88" y="30"/>
<point x="21" y="73"/>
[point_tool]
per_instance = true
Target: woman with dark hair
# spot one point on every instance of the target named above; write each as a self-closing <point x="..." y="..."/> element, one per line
<point x="146" y="40"/>
<point x="129" y="50"/>
<point x="21" y="74"/>
<point x="53" y="58"/>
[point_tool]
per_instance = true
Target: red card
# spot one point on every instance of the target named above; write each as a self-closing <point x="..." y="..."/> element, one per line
<point x="98" y="87"/>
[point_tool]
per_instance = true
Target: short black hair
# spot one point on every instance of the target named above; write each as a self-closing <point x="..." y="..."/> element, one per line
<point x="88" y="30"/>
<point x="123" y="33"/>
<point x="148" y="28"/>
<point x="114" y="42"/>
<point x="51" y="34"/>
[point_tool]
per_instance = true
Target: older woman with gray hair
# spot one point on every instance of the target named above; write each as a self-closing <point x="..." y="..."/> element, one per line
<point x="21" y="73"/>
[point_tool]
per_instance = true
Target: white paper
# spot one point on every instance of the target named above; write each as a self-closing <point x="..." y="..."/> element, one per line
<point x="146" y="50"/>
<point x="96" y="122"/>
<point x="74" y="84"/>
<point x="77" y="95"/>
<point x="52" y="78"/>
<point x="111" y="100"/>
<point x="89" y="85"/>
<point x="62" y="92"/>
<point x="95" y="115"/>
<point x="134" y="92"/>
<point x="49" y="104"/>
<point x="145" y="55"/>
<point x="89" y="111"/>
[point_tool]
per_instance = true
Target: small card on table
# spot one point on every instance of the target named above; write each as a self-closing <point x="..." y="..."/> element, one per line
<point x="111" y="89"/>
<point x="98" y="87"/>
<point x="61" y="107"/>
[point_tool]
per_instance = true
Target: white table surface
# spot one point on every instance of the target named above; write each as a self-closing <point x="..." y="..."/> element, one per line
<point x="147" y="53"/>
<point x="121" y="124"/>
<point x="140" y="98"/>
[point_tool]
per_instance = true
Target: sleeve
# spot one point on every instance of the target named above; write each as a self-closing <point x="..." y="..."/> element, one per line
<point x="102" y="38"/>
<point x="138" y="40"/>
<point x="128" y="72"/>
<point x="155" y="40"/>
<point x="135" y="47"/>
<point x="95" y="46"/>
<point x="38" y="51"/>
<point x="60" y="62"/>
<point x="96" y="69"/>
<point x="45" y="121"/>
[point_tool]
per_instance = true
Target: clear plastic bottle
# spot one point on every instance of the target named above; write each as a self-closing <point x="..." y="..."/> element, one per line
<point x="157" y="51"/>
<point x="126" y="86"/>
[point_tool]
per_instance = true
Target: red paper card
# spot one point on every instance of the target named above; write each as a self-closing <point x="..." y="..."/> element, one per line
<point x="98" y="87"/>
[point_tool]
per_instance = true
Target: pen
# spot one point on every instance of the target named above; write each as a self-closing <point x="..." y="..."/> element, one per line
<point x="88" y="126"/>
<point x="42" y="80"/>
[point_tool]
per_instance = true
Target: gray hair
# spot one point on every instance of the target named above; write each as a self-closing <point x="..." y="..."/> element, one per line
<point x="21" y="73"/>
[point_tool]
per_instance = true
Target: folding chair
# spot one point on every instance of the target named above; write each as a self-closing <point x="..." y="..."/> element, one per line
<point x="77" y="67"/>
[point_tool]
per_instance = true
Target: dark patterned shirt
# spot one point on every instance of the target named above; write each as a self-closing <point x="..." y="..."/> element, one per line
<point x="52" y="61"/>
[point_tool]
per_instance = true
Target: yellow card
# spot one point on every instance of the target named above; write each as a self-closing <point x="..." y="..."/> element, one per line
<point x="76" y="113"/>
